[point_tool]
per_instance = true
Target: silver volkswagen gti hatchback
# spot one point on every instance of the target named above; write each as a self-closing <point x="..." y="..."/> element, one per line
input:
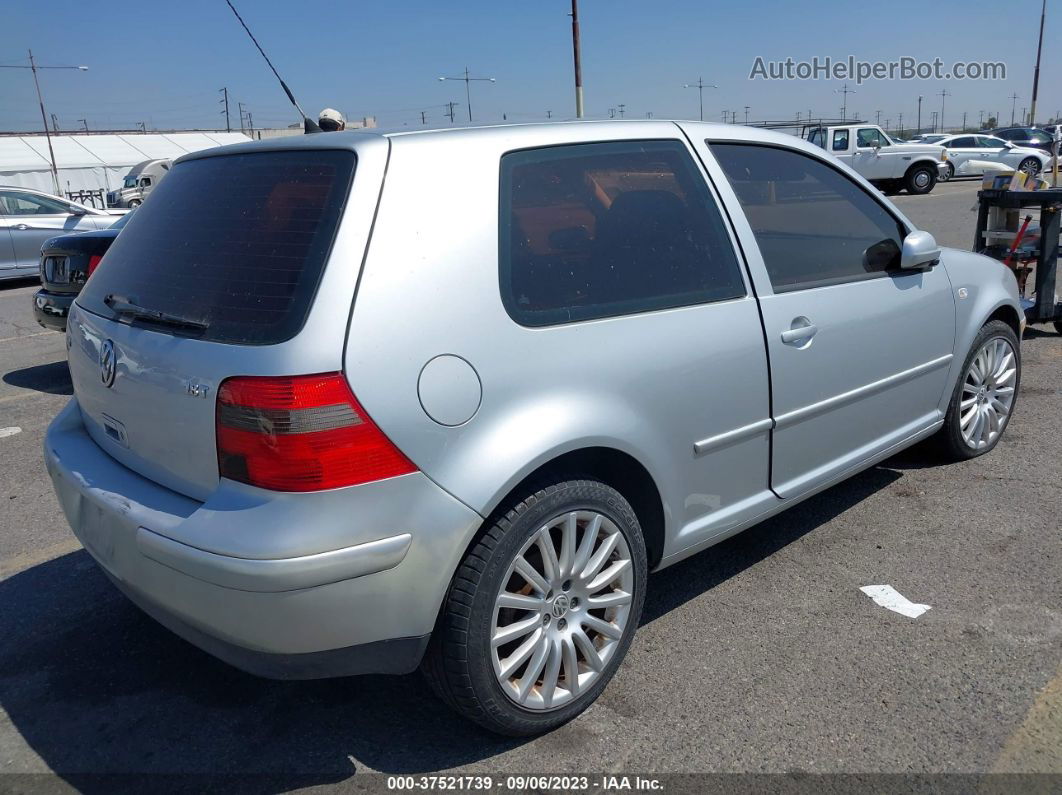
<point x="353" y="403"/>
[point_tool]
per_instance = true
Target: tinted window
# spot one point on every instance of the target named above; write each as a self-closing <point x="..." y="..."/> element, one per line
<point x="986" y="142"/>
<point x="813" y="225"/>
<point x="840" y="140"/>
<point x="818" y="137"/>
<point x="595" y="230"/>
<point x="237" y="241"/>
<point x="961" y="143"/>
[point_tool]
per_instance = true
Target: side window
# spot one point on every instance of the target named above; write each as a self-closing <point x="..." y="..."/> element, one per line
<point x="28" y="204"/>
<point x="818" y="137"/>
<point x="145" y="182"/>
<point x="840" y="140"/>
<point x="987" y="142"/>
<point x="814" y="226"/>
<point x="869" y="136"/>
<point x="598" y="230"/>
<point x="966" y="142"/>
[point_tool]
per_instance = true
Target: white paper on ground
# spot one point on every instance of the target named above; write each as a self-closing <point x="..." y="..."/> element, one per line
<point x="888" y="597"/>
<point x="9" y="431"/>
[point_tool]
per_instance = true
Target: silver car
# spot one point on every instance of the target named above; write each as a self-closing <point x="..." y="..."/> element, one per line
<point x="353" y="403"/>
<point x="29" y="217"/>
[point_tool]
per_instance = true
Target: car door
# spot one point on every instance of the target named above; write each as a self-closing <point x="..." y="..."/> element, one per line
<point x="996" y="150"/>
<point x="872" y="157"/>
<point x="31" y="219"/>
<point x="859" y="351"/>
<point x="961" y="151"/>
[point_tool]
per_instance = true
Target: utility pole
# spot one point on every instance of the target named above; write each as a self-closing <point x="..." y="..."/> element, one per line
<point x="612" y="113"/>
<point x="746" y="114"/>
<point x="225" y="100"/>
<point x="919" y="114"/>
<point x="1036" y="72"/>
<point x="887" y="123"/>
<point x="578" y="66"/>
<point x="981" y="122"/>
<point x="40" y="101"/>
<point x="450" y="110"/>
<point x="964" y="121"/>
<point x="85" y="123"/>
<point x="700" y="85"/>
<point x="142" y="126"/>
<point x="845" y="91"/>
<point x="549" y="114"/>
<point x="423" y="117"/>
<point x="250" y="124"/>
<point x="901" y="125"/>
<point x="648" y="114"/>
<point x="943" y="93"/>
<point x="55" y="123"/>
<point x="622" y="109"/>
<point x="239" y="105"/>
<point x="934" y="117"/>
<point x="724" y="116"/>
<point x="468" y="91"/>
<point x="1013" y="104"/>
<point x="878" y="121"/>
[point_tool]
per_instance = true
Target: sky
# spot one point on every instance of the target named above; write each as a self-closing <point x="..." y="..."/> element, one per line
<point x="162" y="63"/>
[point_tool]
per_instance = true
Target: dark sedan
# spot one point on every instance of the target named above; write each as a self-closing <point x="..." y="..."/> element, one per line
<point x="66" y="263"/>
<point x="1026" y="136"/>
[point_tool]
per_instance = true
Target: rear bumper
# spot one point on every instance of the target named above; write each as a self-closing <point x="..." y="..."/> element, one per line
<point x="51" y="309"/>
<point x="257" y="578"/>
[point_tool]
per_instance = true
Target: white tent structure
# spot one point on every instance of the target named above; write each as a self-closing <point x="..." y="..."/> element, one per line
<point x="92" y="162"/>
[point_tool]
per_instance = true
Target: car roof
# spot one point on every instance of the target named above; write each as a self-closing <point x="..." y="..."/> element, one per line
<point x="519" y="134"/>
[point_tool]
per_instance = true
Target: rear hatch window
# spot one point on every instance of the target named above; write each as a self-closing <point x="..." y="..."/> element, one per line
<point x="229" y="248"/>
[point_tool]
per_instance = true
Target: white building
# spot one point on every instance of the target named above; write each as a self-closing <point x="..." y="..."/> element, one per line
<point x="94" y="162"/>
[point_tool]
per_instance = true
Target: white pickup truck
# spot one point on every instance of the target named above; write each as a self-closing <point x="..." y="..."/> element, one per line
<point x="889" y="165"/>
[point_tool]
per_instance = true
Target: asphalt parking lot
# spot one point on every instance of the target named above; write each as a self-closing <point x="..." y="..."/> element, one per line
<point x="759" y="655"/>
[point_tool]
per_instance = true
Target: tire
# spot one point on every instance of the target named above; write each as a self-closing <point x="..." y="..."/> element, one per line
<point x="948" y="175"/>
<point x="920" y="179"/>
<point x="466" y="669"/>
<point x="1029" y="165"/>
<point x="954" y="442"/>
<point x="134" y="203"/>
<point x="1058" y="326"/>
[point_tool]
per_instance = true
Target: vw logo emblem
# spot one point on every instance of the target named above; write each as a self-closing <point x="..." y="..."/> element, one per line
<point x="560" y="606"/>
<point x="107" y="363"/>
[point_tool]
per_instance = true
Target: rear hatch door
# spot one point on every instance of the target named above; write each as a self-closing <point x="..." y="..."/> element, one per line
<point x="216" y="276"/>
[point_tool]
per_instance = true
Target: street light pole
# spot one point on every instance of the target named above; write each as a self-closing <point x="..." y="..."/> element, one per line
<point x="33" y="67"/>
<point x="468" y="90"/>
<point x="576" y="51"/>
<point x="700" y="85"/>
<point x="919" y="114"/>
<point x="1036" y="74"/>
<point x="943" y="93"/>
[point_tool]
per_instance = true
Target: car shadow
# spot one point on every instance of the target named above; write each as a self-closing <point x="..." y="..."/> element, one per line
<point x="94" y="686"/>
<point x="53" y="378"/>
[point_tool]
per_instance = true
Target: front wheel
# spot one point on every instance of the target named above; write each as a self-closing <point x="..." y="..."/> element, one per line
<point x="1030" y="165"/>
<point x="542" y="610"/>
<point x="920" y="179"/>
<point x="134" y="203"/>
<point x="949" y="174"/>
<point x="983" y="401"/>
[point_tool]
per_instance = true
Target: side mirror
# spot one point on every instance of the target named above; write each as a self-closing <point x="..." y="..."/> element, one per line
<point x="78" y="210"/>
<point x="919" y="251"/>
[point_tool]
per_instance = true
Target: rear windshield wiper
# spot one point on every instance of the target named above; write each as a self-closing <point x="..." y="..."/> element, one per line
<point x="124" y="306"/>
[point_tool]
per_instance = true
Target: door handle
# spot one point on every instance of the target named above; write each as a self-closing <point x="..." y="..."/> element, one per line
<point x="802" y="329"/>
<point x="22" y="227"/>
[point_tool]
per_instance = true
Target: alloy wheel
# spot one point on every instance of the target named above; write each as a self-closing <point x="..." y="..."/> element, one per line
<point x="987" y="393"/>
<point x="562" y="610"/>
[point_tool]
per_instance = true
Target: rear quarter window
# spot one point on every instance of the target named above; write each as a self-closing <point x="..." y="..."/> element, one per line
<point x="238" y="242"/>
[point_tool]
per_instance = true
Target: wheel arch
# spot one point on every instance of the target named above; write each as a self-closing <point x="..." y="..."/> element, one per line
<point x="613" y="467"/>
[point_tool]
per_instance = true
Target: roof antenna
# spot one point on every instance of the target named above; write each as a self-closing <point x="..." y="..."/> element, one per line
<point x="308" y="125"/>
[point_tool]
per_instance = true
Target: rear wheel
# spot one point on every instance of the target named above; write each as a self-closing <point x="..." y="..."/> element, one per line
<point x="984" y="398"/>
<point x="920" y="179"/>
<point x="542" y="610"/>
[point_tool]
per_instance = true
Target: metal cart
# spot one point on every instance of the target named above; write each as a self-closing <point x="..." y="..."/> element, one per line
<point x="997" y="243"/>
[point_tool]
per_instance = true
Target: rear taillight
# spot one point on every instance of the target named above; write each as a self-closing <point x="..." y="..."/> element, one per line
<point x="94" y="260"/>
<point x="300" y="433"/>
